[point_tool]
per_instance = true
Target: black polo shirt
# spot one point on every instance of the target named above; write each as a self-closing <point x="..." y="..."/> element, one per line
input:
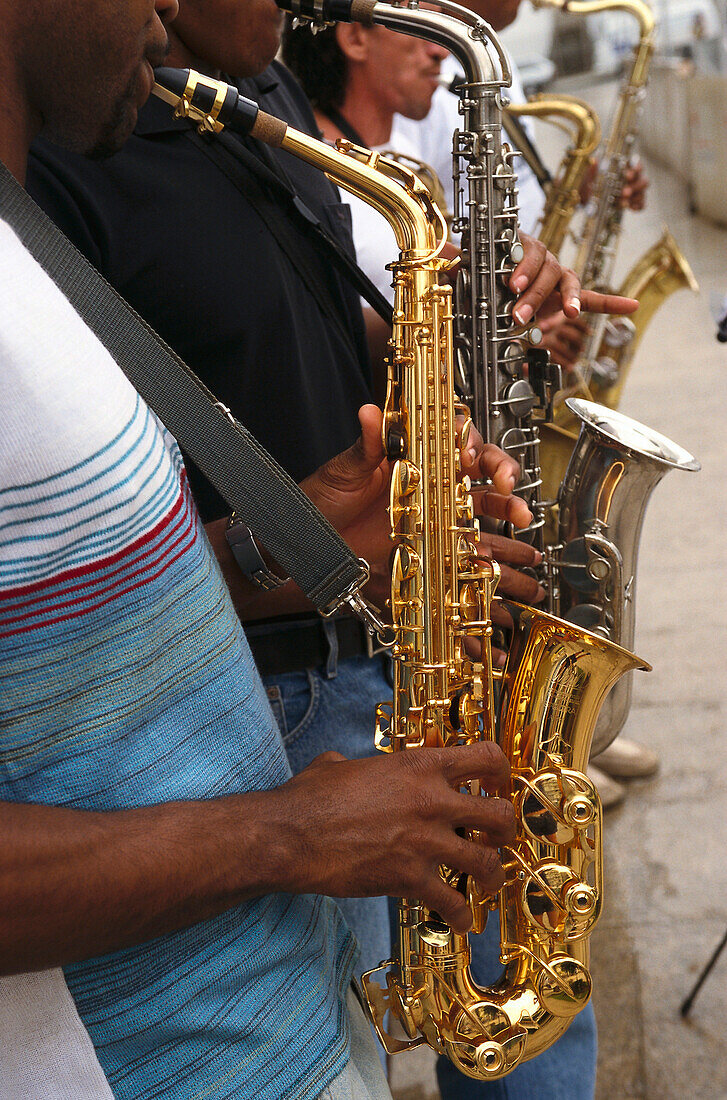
<point x="178" y="238"/>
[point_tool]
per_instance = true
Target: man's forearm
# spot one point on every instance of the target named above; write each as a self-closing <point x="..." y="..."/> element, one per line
<point x="75" y="884"/>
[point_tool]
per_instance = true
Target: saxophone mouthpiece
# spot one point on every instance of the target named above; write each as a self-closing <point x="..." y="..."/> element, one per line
<point x="214" y="105"/>
<point x="323" y="12"/>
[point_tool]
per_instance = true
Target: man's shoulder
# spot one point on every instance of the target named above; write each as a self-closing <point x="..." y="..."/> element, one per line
<point x="280" y="94"/>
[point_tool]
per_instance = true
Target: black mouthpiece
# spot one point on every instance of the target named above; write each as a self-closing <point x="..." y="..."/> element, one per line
<point x="208" y="98"/>
<point x="319" y="11"/>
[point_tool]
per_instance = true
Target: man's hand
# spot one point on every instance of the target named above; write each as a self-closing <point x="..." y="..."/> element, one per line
<point x="352" y="492"/>
<point x="545" y="287"/>
<point x="633" y="192"/>
<point x="349" y="828"/>
<point x="359" y="828"/>
<point x="564" y="339"/>
<point x="513" y="556"/>
<point x="485" y="462"/>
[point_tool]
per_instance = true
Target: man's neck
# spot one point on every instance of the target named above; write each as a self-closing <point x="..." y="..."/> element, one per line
<point x="180" y="57"/>
<point x="362" y="108"/>
<point x="19" y="125"/>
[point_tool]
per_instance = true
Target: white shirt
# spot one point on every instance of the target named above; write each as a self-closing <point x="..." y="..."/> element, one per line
<point x="45" y="1050"/>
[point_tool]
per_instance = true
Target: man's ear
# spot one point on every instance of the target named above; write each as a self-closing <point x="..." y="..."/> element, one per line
<point x="353" y="41"/>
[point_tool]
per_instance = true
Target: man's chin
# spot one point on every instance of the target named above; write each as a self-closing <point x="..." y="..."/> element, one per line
<point x="115" y="135"/>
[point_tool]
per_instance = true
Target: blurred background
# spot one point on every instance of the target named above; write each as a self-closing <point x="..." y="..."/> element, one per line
<point x="666" y="844"/>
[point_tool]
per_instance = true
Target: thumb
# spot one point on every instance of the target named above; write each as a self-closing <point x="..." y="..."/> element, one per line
<point x="371" y="419"/>
<point x="365" y="456"/>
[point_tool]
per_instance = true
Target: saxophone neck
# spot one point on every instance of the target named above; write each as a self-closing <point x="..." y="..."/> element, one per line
<point x="638" y="8"/>
<point x="574" y="116"/>
<point x="470" y="39"/>
<point x="562" y="194"/>
<point x="390" y="188"/>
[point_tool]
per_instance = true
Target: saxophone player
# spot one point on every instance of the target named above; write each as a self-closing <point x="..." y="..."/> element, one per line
<point x="146" y="801"/>
<point x="117" y="210"/>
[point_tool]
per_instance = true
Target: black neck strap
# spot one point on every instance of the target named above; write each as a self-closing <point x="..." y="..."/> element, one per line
<point x="253" y="483"/>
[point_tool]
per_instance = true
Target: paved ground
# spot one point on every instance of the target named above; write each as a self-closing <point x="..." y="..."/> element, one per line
<point x="666" y="847"/>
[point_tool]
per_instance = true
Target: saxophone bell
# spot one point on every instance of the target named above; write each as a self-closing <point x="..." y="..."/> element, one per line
<point x="614" y="468"/>
<point x="551" y="690"/>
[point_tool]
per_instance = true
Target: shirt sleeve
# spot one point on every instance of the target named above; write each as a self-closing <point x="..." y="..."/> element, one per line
<point x="50" y="185"/>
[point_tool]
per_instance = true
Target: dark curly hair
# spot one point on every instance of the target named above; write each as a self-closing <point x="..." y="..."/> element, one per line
<point x="317" y="62"/>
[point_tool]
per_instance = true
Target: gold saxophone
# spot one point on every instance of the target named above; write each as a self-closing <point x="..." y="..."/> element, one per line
<point x="563" y="194"/>
<point x="441" y="591"/>
<point x="661" y="271"/>
<point x="429" y="178"/>
<point x="612" y="341"/>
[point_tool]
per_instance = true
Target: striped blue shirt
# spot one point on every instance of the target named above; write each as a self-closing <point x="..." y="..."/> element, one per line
<point x="126" y="680"/>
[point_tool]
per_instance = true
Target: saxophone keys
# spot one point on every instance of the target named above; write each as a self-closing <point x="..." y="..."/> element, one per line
<point x="486" y="1044"/>
<point x="384" y="727"/>
<point x="513" y="244"/>
<point x="405" y="477"/>
<point x="581" y="901"/>
<point x="557" y="902"/>
<point x="580" y="811"/>
<point x="564" y="986"/>
<point x="556" y="805"/>
<point x="469" y="708"/>
<point x="407" y="563"/>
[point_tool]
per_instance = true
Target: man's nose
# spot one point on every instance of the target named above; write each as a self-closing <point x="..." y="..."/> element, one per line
<point x="167" y="10"/>
<point x="437" y="52"/>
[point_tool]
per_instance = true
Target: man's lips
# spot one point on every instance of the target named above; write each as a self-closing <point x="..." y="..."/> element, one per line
<point x="154" y="57"/>
<point x="157" y="53"/>
<point x="143" y="83"/>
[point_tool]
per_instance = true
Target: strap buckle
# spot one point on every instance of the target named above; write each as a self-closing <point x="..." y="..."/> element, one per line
<point x="375" y="626"/>
<point x="246" y="553"/>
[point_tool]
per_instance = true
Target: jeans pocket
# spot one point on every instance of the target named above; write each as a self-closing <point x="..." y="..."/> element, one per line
<point x="294" y="698"/>
<point x="276" y="705"/>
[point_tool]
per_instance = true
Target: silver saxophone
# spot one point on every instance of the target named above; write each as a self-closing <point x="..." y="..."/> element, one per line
<point x="590" y="550"/>
<point x="615" y="466"/>
<point x="490" y="350"/>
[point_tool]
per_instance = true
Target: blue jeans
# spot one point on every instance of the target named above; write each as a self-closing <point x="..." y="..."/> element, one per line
<point x="567" y="1071"/>
<point x="334" y="708"/>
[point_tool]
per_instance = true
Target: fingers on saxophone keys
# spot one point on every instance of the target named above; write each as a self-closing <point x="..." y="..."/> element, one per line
<point x="483" y="760"/>
<point x="487" y="461"/>
<point x="508" y="550"/>
<point x="474" y="648"/>
<point x="494" y="817"/>
<point x="519" y="586"/>
<point x="448" y="903"/>
<point x="482" y="861"/>
<point x="501" y="616"/>
<point x="510" y="508"/>
<point x="541" y="282"/>
<point x="527" y="270"/>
